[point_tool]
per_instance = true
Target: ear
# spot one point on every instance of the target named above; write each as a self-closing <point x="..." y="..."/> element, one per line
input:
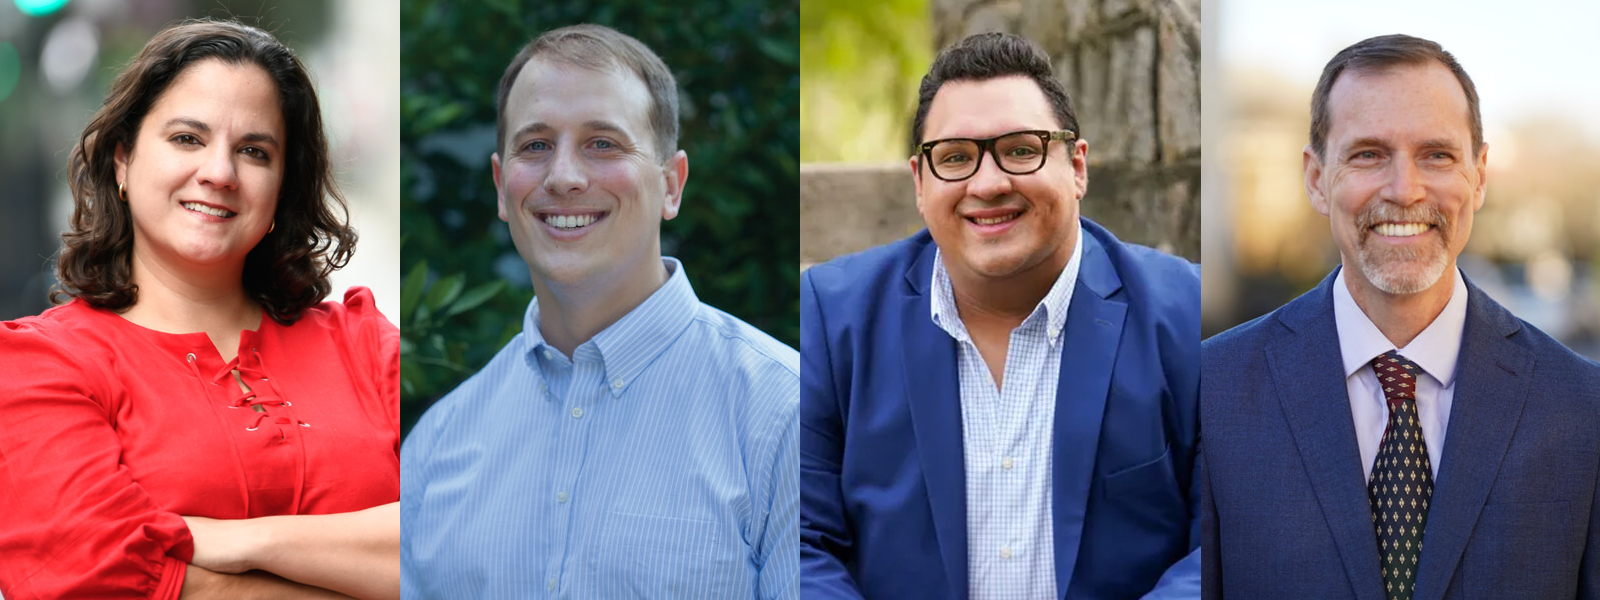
<point x="1311" y="165"/>
<point x="676" y="172"/>
<point x="1483" y="176"/>
<point x="1080" y="166"/>
<point x="916" y="180"/>
<point x="499" y="189"/>
<point x="120" y="159"/>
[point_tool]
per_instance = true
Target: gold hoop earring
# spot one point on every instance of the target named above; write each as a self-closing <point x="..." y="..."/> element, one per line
<point x="122" y="192"/>
<point x="273" y="226"/>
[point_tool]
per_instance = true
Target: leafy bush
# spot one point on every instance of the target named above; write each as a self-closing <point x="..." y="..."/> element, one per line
<point x="737" y="234"/>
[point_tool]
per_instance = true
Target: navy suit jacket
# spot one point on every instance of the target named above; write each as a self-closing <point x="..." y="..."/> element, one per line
<point x="882" y="479"/>
<point x="1286" y="510"/>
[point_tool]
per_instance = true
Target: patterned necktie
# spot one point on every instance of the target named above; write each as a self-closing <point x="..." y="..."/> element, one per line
<point x="1402" y="478"/>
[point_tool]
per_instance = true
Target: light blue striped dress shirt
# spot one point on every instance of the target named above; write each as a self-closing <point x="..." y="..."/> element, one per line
<point x="1007" y="442"/>
<point x="658" y="462"/>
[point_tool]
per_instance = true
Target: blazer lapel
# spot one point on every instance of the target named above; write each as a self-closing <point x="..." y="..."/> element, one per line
<point x="1091" y="335"/>
<point x="1491" y="388"/>
<point x="933" y="390"/>
<point x="1309" y="374"/>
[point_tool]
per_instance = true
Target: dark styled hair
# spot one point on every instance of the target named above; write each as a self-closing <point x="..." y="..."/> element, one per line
<point x="988" y="56"/>
<point x="599" y="48"/>
<point x="288" y="271"/>
<point x="1376" y="54"/>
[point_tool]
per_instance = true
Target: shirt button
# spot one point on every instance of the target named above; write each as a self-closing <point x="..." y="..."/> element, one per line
<point x="561" y="497"/>
<point x="617" y="383"/>
<point x="548" y="355"/>
<point x="1005" y="463"/>
<point x="551" y="584"/>
<point x="577" y="413"/>
<point x="1005" y="552"/>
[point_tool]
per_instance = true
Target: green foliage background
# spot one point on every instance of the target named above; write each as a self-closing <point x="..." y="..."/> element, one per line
<point x="861" y="63"/>
<point x="465" y="289"/>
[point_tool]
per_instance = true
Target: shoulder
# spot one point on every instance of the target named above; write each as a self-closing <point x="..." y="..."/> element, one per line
<point x="1245" y="339"/>
<point x="358" y="310"/>
<point x="1556" y="365"/>
<point x="48" y="348"/>
<point x="742" y="348"/>
<point x="507" y="368"/>
<point x="869" y="269"/>
<point x="1147" y="269"/>
<point x="72" y="326"/>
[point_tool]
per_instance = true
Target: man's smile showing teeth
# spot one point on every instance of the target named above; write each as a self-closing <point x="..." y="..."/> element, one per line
<point x="1401" y="229"/>
<point x="994" y="220"/>
<point x="207" y="210"/>
<point x="571" y="221"/>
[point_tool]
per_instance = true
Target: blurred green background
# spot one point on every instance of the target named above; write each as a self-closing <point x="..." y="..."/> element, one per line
<point x="860" y="66"/>
<point x="465" y="288"/>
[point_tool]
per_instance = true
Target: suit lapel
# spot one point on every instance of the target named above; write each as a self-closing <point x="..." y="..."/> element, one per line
<point x="1091" y="335"/>
<point x="1491" y="388"/>
<point x="1307" y="369"/>
<point x="933" y="389"/>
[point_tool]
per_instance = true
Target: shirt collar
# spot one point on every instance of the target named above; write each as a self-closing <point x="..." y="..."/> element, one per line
<point x="635" y="340"/>
<point x="1435" y="349"/>
<point x="1053" y="305"/>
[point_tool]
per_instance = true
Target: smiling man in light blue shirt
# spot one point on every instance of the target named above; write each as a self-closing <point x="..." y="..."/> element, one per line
<point x="632" y="441"/>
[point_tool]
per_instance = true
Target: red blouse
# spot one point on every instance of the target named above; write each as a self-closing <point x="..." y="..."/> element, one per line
<point x="109" y="431"/>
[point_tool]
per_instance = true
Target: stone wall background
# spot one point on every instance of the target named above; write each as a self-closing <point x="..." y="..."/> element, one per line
<point x="1132" y="68"/>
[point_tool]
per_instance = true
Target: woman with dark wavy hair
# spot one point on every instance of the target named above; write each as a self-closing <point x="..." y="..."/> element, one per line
<point x="193" y="421"/>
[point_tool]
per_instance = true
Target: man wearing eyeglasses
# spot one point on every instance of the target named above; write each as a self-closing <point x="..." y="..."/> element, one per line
<point x="1003" y="405"/>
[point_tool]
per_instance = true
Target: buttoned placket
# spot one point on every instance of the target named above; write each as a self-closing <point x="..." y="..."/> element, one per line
<point x="573" y="389"/>
<point x="1014" y="408"/>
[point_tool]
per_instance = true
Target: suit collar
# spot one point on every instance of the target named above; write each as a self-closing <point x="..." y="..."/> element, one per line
<point x="1092" y="336"/>
<point x="1491" y="390"/>
<point x="1305" y="365"/>
<point x="932" y="384"/>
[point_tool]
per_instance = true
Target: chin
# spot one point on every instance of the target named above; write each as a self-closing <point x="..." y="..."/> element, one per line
<point x="1401" y="271"/>
<point x="1404" y="277"/>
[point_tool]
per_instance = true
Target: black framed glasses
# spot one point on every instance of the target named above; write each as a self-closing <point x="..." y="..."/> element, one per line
<point x="1017" y="153"/>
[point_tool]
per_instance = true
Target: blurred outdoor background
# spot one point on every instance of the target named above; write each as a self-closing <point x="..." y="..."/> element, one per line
<point x="1535" y="243"/>
<point x="58" y="57"/>
<point x="1132" y="68"/>
<point x="465" y="286"/>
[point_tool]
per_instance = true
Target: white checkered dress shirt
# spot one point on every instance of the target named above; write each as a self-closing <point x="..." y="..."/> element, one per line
<point x="1006" y="440"/>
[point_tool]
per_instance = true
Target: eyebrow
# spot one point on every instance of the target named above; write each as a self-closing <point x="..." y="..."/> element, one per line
<point x="1441" y="143"/>
<point x="200" y="126"/>
<point x="597" y="125"/>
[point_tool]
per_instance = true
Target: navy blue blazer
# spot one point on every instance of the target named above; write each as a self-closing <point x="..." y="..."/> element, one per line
<point x="882" y="480"/>
<point x="1286" y="510"/>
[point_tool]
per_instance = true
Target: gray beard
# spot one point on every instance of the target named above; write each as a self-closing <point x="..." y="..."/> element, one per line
<point x="1402" y="270"/>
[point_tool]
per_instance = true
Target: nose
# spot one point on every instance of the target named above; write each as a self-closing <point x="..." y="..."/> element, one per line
<point x="567" y="175"/>
<point x="1405" y="186"/>
<point x="989" y="182"/>
<point x="218" y="169"/>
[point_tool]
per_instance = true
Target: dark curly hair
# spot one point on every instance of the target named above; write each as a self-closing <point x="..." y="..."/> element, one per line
<point x="288" y="271"/>
<point x="986" y="56"/>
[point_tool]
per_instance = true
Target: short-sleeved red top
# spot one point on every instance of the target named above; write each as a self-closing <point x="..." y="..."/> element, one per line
<point x="110" y="431"/>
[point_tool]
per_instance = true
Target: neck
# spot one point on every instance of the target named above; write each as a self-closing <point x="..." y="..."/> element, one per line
<point x="571" y="314"/>
<point x="1005" y="300"/>
<point x="1401" y="317"/>
<point x="190" y="300"/>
